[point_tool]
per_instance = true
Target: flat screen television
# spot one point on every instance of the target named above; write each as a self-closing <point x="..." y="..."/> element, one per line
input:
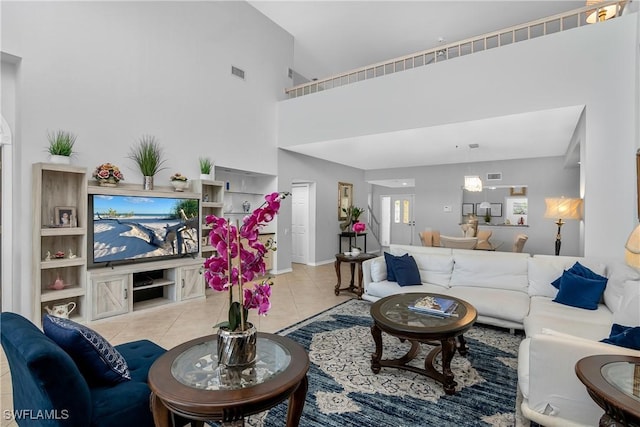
<point x="126" y="229"/>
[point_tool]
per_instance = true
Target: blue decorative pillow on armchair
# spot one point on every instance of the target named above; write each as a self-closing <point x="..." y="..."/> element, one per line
<point x="99" y="361"/>
<point x="624" y="336"/>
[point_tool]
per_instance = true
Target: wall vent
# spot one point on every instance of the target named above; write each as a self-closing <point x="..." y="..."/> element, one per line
<point x="237" y="72"/>
<point x="494" y="176"/>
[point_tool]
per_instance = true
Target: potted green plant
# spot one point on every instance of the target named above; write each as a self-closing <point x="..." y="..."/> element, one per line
<point x="206" y="168"/>
<point x="60" y="146"/>
<point x="148" y="154"/>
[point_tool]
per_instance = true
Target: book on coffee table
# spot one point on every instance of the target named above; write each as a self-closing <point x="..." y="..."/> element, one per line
<point x="437" y="306"/>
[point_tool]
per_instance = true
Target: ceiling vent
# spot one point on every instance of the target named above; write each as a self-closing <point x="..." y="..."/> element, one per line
<point x="494" y="176"/>
<point x="237" y="72"/>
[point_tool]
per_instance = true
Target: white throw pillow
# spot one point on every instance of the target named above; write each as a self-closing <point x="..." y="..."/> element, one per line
<point x="628" y="314"/>
<point x="378" y="269"/>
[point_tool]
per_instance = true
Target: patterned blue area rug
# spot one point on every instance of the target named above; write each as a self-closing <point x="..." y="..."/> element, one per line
<point x="344" y="392"/>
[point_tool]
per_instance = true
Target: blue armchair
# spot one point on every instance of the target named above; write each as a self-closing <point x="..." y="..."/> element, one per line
<point x="50" y="390"/>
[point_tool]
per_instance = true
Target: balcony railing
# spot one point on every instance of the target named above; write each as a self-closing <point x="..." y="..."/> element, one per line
<point x="541" y="27"/>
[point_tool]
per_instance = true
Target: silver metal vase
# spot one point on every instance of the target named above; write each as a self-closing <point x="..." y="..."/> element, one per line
<point x="237" y="348"/>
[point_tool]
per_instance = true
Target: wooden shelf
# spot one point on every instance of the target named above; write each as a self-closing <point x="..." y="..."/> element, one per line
<point x="62" y="231"/>
<point x="154" y="302"/>
<point x="54" y="295"/>
<point x="156" y="284"/>
<point x="63" y="262"/>
<point x="137" y="190"/>
<point x="212" y="204"/>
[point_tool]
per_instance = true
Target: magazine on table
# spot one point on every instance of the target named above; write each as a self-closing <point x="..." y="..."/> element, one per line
<point x="437" y="306"/>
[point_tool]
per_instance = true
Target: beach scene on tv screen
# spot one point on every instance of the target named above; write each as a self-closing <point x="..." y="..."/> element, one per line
<point x="134" y="227"/>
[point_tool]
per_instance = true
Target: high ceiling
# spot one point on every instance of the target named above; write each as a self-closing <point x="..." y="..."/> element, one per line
<point x="332" y="37"/>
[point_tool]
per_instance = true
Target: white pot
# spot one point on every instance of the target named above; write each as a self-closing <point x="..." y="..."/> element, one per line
<point x="62" y="160"/>
<point x="206" y="176"/>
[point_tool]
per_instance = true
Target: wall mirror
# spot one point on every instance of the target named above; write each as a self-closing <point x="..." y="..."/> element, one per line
<point x="345" y="199"/>
<point x="497" y="204"/>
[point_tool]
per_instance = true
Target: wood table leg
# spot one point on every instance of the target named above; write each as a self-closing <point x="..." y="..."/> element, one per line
<point x="448" y="350"/>
<point x="462" y="346"/>
<point x="161" y="414"/>
<point x="377" y="356"/>
<point x="337" y="267"/>
<point x="352" y="266"/>
<point x="360" y="289"/>
<point x="296" y="403"/>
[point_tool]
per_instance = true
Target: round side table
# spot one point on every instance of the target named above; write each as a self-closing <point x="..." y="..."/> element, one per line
<point x="613" y="382"/>
<point x="188" y="381"/>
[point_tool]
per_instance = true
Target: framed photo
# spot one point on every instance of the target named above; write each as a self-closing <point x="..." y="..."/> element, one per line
<point x="496" y="209"/>
<point x="518" y="191"/>
<point x="468" y="209"/>
<point x="345" y="199"/>
<point x="65" y="216"/>
<point x="480" y="211"/>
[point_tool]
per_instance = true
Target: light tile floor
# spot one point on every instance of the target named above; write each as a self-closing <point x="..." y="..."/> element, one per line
<point x="295" y="296"/>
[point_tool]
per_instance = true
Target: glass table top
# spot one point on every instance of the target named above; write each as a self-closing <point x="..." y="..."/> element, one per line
<point x="397" y="311"/>
<point x="624" y="376"/>
<point x="198" y="367"/>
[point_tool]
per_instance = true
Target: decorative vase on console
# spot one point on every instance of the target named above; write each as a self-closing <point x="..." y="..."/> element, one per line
<point x="238" y="259"/>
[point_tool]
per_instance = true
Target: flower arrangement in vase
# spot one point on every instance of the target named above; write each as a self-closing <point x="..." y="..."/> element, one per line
<point x="358" y="227"/>
<point x="108" y="175"/>
<point x="240" y="259"/>
<point x="179" y="181"/>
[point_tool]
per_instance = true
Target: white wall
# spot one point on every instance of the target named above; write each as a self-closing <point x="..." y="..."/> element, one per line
<point x="595" y="66"/>
<point x="112" y="71"/>
<point x="296" y="167"/>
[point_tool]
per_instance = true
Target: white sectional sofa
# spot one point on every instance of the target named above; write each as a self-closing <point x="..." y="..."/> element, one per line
<point x="513" y="290"/>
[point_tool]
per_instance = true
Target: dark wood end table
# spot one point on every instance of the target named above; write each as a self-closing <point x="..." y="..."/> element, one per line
<point x="188" y="381"/>
<point x="613" y="382"/>
<point x="393" y="316"/>
<point x="353" y="260"/>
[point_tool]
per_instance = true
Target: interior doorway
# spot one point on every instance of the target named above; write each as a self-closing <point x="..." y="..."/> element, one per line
<point x="301" y="236"/>
<point x="397" y="222"/>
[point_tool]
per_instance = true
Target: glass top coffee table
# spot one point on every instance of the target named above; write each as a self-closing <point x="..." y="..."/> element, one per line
<point x="188" y="381"/>
<point x="613" y="382"/>
<point x="393" y="316"/>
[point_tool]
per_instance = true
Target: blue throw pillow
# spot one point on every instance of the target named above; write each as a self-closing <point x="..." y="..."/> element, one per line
<point x="99" y="361"/>
<point x="580" y="270"/>
<point x="624" y="336"/>
<point x="406" y="271"/>
<point x="581" y="292"/>
<point x="390" y="261"/>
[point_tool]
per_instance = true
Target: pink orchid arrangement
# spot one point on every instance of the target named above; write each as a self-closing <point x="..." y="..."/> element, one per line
<point x="240" y="259"/>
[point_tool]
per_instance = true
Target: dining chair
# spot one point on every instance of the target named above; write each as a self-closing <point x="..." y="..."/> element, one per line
<point x="518" y="243"/>
<point x="458" y="242"/>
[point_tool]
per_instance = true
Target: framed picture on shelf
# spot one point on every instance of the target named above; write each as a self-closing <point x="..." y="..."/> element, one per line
<point x="496" y="209"/>
<point x="65" y="216"/>
<point x="467" y="209"/>
<point x="480" y="211"/>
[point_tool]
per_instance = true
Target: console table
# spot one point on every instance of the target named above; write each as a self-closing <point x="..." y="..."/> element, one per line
<point x="353" y="237"/>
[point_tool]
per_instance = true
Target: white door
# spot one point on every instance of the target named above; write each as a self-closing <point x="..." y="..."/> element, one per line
<point x="402" y="220"/>
<point x="300" y="223"/>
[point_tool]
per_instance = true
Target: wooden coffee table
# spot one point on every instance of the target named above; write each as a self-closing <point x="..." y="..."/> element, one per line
<point x="613" y="382"/>
<point x="392" y="315"/>
<point x="188" y="381"/>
